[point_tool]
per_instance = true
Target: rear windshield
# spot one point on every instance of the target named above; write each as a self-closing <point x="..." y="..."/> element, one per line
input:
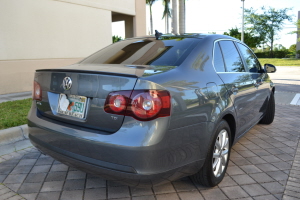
<point x="169" y="51"/>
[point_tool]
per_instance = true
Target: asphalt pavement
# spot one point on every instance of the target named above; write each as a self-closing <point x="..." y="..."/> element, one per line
<point x="264" y="164"/>
<point x="287" y="83"/>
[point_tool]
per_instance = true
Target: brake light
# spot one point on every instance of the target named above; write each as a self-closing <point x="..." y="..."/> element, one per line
<point x="116" y="102"/>
<point x="37" y="91"/>
<point x="143" y="105"/>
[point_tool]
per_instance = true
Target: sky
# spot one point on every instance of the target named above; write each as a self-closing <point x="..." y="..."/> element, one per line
<point x="219" y="16"/>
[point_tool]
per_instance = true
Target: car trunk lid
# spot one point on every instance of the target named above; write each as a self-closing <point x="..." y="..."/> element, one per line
<point x="90" y="88"/>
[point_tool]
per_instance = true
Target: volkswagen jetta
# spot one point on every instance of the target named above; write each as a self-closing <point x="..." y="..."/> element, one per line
<point x="148" y="110"/>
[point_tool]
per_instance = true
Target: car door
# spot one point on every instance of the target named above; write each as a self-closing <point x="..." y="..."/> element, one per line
<point x="230" y="68"/>
<point x="258" y="77"/>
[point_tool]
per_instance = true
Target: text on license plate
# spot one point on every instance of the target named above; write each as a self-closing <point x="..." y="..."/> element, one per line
<point x="72" y="105"/>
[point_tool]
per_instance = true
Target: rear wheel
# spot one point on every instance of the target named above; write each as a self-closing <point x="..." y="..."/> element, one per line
<point x="270" y="112"/>
<point x="216" y="162"/>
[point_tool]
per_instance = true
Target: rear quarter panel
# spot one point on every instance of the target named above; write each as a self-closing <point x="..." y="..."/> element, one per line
<point x="198" y="96"/>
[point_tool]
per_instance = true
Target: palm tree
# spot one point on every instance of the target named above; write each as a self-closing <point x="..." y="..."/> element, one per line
<point x="167" y="13"/>
<point x="150" y="3"/>
<point x="181" y="16"/>
<point x="174" y="17"/>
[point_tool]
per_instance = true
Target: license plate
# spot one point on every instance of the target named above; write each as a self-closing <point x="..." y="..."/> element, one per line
<point x="72" y="105"/>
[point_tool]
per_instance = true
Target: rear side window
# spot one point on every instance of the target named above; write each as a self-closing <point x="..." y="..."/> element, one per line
<point x="218" y="59"/>
<point x="250" y="60"/>
<point x="169" y="51"/>
<point x="233" y="61"/>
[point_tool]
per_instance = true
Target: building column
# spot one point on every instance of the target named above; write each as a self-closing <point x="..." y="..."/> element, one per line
<point x="139" y="20"/>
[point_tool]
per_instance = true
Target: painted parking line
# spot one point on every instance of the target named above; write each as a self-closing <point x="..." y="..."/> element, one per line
<point x="296" y="100"/>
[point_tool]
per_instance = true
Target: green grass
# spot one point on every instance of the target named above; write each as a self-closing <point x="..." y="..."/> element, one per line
<point x="280" y="62"/>
<point x="14" y="113"/>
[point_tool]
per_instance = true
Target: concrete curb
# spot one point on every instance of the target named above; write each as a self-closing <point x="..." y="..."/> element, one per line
<point x="14" y="139"/>
<point x="13" y="134"/>
<point x="15" y="96"/>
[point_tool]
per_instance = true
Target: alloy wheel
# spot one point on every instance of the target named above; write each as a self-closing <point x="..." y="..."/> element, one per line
<point x="220" y="154"/>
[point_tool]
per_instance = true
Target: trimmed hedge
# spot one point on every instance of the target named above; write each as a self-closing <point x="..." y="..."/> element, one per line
<point x="277" y="54"/>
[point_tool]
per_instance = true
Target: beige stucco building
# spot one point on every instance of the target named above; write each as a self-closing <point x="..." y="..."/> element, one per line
<point x="36" y="34"/>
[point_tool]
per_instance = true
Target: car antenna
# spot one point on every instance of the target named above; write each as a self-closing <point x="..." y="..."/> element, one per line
<point x="157" y="34"/>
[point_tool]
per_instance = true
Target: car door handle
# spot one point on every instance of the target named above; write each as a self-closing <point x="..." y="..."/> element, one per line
<point x="258" y="82"/>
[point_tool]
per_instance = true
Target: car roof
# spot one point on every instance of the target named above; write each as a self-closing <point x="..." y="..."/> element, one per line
<point x="191" y="35"/>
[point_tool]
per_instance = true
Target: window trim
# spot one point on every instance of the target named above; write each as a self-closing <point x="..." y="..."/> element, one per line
<point x="233" y="40"/>
<point x="244" y="58"/>
<point x="213" y="60"/>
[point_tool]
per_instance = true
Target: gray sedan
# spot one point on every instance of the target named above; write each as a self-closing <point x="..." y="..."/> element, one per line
<point x="149" y="110"/>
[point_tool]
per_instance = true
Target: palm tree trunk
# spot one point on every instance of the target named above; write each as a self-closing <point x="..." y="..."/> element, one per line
<point x="181" y="16"/>
<point x="166" y="14"/>
<point x="151" y="21"/>
<point x="174" y="17"/>
<point x="167" y="23"/>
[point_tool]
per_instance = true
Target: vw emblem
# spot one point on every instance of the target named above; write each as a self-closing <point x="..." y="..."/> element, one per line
<point x="67" y="83"/>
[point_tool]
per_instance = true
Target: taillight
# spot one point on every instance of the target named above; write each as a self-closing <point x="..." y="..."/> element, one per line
<point x="37" y="91"/>
<point x="116" y="102"/>
<point x="143" y="105"/>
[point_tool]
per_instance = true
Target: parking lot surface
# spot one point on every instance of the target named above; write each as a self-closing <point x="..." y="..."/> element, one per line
<point x="264" y="164"/>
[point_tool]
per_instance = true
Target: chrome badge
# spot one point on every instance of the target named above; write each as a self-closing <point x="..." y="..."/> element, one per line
<point x="67" y="83"/>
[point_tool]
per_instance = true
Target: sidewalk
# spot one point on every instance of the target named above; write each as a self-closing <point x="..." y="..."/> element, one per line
<point x="15" y="138"/>
<point x="15" y="96"/>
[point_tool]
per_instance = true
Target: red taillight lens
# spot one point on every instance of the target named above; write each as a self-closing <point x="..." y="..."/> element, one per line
<point x="143" y="105"/>
<point x="116" y="103"/>
<point x="146" y="105"/>
<point x="37" y="91"/>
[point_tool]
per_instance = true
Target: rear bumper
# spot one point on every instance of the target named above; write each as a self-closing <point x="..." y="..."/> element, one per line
<point x="138" y="154"/>
<point x="113" y="173"/>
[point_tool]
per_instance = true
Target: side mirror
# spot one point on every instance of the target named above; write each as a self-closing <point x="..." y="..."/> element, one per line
<point x="269" y="68"/>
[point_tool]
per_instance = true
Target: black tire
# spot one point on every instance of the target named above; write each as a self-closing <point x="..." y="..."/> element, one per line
<point x="206" y="176"/>
<point x="270" y="112"/>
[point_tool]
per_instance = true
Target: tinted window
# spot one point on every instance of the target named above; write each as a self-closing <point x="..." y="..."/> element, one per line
<point x="169" y="51"/>
<point x="218" y="59"/>
<point x="231" y="56"/>
<point x="250" y="60"/>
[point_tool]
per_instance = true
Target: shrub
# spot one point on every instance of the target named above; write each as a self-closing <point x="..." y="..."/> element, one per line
<point x="276" y="54"/>
<point x="116" y="38"/>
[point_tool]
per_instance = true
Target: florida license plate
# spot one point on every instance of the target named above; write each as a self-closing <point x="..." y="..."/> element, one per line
<point x="72" y="105"/>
